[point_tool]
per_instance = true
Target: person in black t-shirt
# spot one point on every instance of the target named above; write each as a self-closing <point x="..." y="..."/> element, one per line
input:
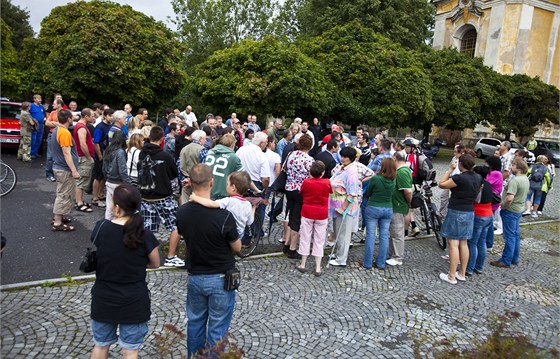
<point x="212" y="239"/>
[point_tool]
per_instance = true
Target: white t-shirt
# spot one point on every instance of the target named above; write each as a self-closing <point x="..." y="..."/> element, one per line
<point x="254" y="162"/>
<point x="273" y="159"/>
<point x="241" y="209"/>
<point x="190" y="118"/>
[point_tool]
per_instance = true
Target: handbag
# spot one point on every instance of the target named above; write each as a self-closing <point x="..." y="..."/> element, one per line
<point x="417" y="199"/>
<point x="89" y="262"/>
<point x="232" y="279"/>
<point x="279" y="184"/>
<point x="496" y="198"/>
<point x="133" y="180"/>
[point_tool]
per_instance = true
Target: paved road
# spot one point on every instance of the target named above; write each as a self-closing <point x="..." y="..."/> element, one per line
<point x="346" y="313"/>
<point x="34" y="252"/>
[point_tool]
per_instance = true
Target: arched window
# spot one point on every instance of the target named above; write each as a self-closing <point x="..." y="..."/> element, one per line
<point x="468" y="42"/>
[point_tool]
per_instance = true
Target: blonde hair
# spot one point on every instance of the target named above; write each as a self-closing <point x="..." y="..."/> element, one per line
<point x="541" y="158"/>
<point x="136" y="140"/>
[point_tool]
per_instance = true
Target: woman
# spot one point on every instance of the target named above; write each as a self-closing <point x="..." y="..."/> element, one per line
<point x="540" y="179"/>
<point x="135" y="144"/>
<point x="458" y="224"/>
<point x="343" y="204"/>
<point x="444" y="195"/>
<point x="120" y="295"/>
<point x="249" y="134"/>
<point x="483" y="223"/>
<point x="550" y="166"/>
<point x="114" y="168"/>
<point x="378" y="212"/>
<point x="298" y="164"/>
<point x="496" y="180"/>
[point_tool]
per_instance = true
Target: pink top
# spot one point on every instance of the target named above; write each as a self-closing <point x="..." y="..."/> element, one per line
<point x="497" y="181"/>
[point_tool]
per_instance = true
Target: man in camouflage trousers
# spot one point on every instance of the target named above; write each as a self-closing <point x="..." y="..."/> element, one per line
<point x="27" y="126"/>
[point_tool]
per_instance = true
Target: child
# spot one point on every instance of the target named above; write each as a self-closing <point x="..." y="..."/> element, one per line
<point x="237" y="185"/>
<point x="314" y="215"/>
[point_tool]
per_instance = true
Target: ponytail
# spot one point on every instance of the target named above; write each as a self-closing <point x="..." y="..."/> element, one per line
<point x="134" y="231"/>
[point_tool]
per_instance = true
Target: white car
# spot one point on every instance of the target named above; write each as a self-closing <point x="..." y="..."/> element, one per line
<point x="487" y="146"/>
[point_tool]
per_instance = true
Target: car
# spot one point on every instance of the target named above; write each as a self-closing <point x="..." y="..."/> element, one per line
<point x="9" y="123"/>
<point x="487" y="146"/>
<point x="550" y="149"/>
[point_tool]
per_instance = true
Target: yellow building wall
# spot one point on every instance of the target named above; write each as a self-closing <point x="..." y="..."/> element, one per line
<point x="508" y="40"/>
<point x="537" y="51"/>
<point x="448" y="6"/>
<point x="555" y="73"/>
<point x="483" y="32"/>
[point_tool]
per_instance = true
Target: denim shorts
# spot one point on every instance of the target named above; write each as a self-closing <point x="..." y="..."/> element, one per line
<point x="458" y="225"/>
<point x="131" y="336"/>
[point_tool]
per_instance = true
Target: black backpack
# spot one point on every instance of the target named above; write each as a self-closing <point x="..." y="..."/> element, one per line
<point x="426" y="171"/>
<point x="147" y="173"/>
<point x="537" y="173"/>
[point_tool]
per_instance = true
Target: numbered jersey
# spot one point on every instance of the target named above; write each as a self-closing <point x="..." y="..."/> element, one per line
<point x="223" y="161"/>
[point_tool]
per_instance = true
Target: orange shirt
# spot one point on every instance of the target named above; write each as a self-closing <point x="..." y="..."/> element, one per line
<point x="64" y="137"/>
<point x="53" y="117"/>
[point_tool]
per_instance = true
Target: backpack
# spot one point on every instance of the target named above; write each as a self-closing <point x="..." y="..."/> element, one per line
<point x="537" y="173"/>
<point x="426" y="171"/>
<point x="147" y="173"/>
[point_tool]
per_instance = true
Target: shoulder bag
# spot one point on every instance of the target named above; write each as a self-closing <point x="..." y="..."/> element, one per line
<point x="279" y="184"/>
<point x="89" y="262"/>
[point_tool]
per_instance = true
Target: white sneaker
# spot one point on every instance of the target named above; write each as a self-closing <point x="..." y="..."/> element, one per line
<point x="174" y="262"/>
<point x="333" y="262"/>
<point x="460" y="277"/>
<point x="445" y="278"/>
<point x="526" y="213"/>
<point x="534" y="215"/>
<point x="330" y="244"/>
<point x="498" y="232"/>
<point x="539" y="213"/>
<point x="393" y="262"/>
<point x="415" y="231"/>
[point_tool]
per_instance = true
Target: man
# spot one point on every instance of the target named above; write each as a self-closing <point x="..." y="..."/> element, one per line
<point x="412" y="158"/>
<point x="237" y="133"/>
<point x="506" y="157"/>
<point x="86" y="151"/>
<point x="284" y="142"/>
<point x="37" y="111"/>
<point x="305" y="130"/>
<point x="98" y="112"/>
<point x="189" y="157"/>
<point x="252" y="123"/>
<point x="100" y="143"/>
<point x="119" y="121"/>
<point x="223" y="161"/>
<point x="52" y="123"/>
<point x="219" y="125"/>
<point x="512" y="207"/>
<point x="211" y="122"/>
<point x="129" y="116"/>
<point x="363" y="146"/>
<point x="384" y="152"/>
<point x="212" y="239"/>
<point x="229" y="121"/>
<point x="254" y="161"/>
<point x="402" y="196"/>
<point x="532" y="144"/>
<point x="327" y="157"/>
<point x="65" y="168"/>
<point x="158" y="203"/>
<point x="27" y="124"/>
<point x="73" y="106"/>
<point x="164" y="120"/>
<point x="190" y="117"/>
<point x="316" y="129"/>
<point x="275" y="131"/>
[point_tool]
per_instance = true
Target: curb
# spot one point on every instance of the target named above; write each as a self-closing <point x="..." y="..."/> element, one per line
<point x="259" y="256"/>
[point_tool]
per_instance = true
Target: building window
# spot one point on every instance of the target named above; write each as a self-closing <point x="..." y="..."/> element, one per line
<point x="468" y="43"/>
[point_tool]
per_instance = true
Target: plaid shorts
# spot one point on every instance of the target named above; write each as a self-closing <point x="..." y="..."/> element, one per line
<point x="155" y="212"/>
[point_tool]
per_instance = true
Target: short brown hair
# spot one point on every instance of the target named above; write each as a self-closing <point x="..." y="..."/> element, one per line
<point x="317" y="169"/>
<point x="388" y="168"/>
<point x="25" y="105"/>
<point x="201" y="175"/>
<point x="241" y="181"/>
<point x="64" y="116"/>
<point x="305" y="142"/>
<point x="520" y="164"/>
<point x="156" y="134"/>
<point x="467" y="161"/>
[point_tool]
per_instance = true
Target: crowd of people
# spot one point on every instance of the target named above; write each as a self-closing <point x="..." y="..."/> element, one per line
<point x="194" y="179"/>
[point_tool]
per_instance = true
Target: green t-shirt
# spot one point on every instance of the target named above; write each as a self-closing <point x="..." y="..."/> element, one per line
<point x="380" y="192"/>
<point x="402" y="182"/>
<point x="518" y="186"/>
<point x="223" y="162"/>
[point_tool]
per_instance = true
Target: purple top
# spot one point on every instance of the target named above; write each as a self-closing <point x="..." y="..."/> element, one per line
<point x="497" y="181"/>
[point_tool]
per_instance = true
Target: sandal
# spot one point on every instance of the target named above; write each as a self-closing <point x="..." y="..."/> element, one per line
<point x="98" y="203"/>
<point x="64" y="221"/>
<point x="84" y="208"/>
<point x="63" y="228"/>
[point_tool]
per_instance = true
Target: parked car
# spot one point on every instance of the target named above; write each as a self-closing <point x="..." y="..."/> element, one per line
<point x="550" y="149"/>
<point x="9" y="124"/>
<point x="487" y="146"/>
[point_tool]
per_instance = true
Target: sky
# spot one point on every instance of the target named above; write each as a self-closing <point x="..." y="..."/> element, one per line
<point x="39" y="9"/>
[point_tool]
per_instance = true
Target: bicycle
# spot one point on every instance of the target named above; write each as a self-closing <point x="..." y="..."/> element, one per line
<point x="8" y="179"/>
<point x="429" y="213"/>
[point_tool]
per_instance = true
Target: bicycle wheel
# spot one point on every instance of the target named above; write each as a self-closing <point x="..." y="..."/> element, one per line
<point x="251" y="238"/>
<point x="436" y="220"/>
<point x="426" y="217"/>
<point x="8" y="179"/>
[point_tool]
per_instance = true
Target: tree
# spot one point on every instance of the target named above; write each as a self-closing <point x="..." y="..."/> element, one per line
<point x="407" y="22"/>
<point x="9" y="73"/>
<point x="18" y="21"/>
<point x="267" y="77"/>
<point x="377" y="81"/>
<point x="533" y="103"/>
<point x="105" y="52"/>
<point x="210" y="25"/>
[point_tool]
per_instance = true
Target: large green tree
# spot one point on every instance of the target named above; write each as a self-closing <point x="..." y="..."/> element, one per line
<point x="9" y="73"/>
<point x="266" y="77"/>
<point x="407" y="22"/>
<point x="377" y="81"/>
<point x="102" y="51"/>
<point x="18" y="21"/>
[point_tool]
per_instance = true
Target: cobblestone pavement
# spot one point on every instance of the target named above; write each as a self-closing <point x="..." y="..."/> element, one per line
<point x="347" y="312"/>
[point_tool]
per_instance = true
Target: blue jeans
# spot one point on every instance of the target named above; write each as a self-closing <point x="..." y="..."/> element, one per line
<point x="477" y="244"/>
<point x="36" y="139"/>
<point x="490" y="235"/>
<point x="49" y="165"/>
<point x="209" y="311"/>
<point x="131" y="336"/>
<point x="375" y="216"/>
<point x="512" y="236"/>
